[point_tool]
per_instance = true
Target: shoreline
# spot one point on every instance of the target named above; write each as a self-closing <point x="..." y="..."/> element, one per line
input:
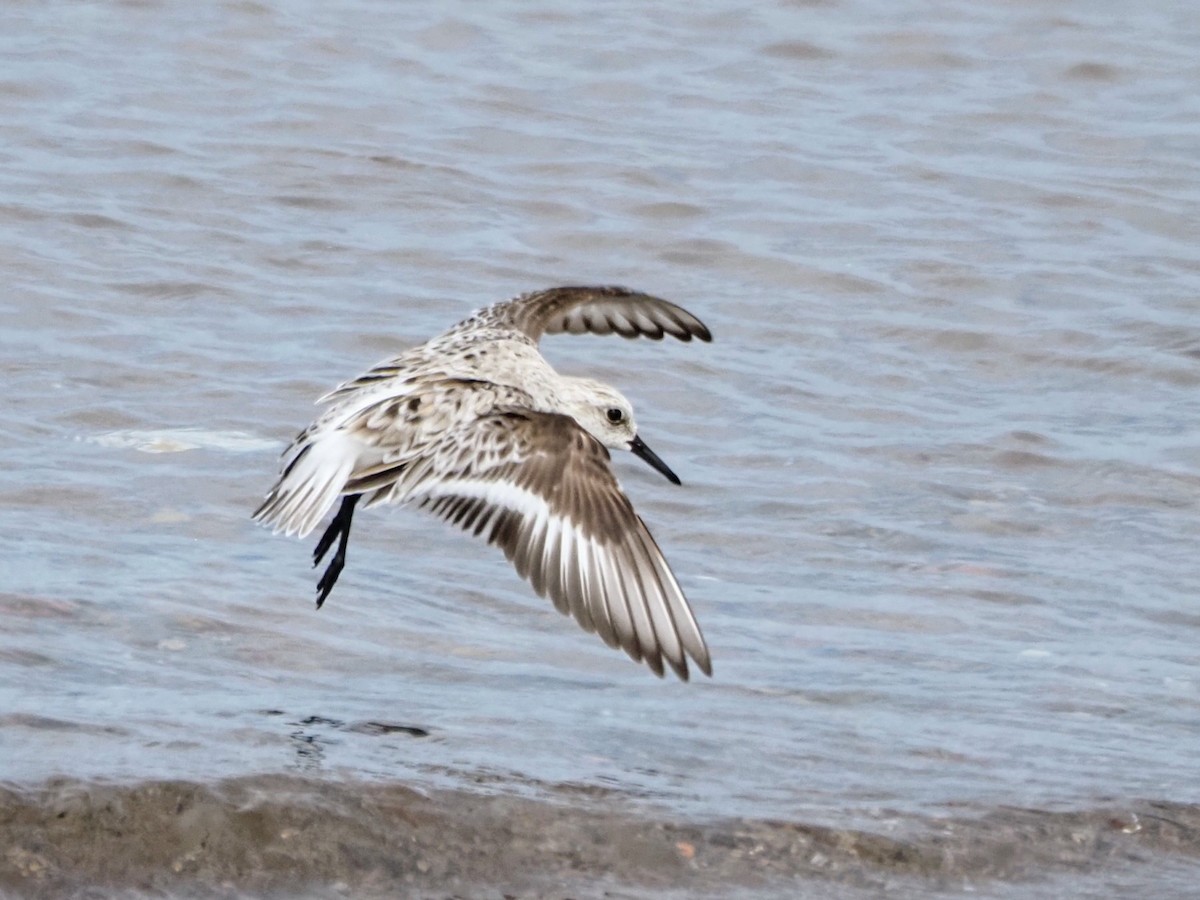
<point x="284" y="834"/>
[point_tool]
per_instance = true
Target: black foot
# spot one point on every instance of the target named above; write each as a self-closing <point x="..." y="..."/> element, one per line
<point x="339" y="530"/>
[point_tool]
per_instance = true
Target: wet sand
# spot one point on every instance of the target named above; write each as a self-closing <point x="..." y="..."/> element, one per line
<point x="290" y="836"/>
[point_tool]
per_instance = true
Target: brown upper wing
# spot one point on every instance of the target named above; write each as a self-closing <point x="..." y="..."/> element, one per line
<point x="600" y="309"/>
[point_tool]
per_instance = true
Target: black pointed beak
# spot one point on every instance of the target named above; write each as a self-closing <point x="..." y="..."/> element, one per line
<point x="641" y="451"/>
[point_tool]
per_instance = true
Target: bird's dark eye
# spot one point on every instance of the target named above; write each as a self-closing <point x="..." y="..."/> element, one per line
<point x="615" y="416"/>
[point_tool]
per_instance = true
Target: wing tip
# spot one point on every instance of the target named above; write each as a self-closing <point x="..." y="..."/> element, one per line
<point x="701" y="660"/>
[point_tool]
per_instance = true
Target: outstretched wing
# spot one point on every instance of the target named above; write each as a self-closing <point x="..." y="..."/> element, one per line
<point x="539" y="487"/>
<point x="601" y="310"/>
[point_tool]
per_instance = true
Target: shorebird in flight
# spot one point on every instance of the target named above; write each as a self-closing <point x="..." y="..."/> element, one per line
<point x="476" y="427"/>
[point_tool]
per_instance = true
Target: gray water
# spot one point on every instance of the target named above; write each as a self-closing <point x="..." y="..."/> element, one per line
<point x="939" y="519"/>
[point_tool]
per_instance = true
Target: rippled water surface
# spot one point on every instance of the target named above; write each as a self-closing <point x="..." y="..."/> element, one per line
<point x="939" y="518"/>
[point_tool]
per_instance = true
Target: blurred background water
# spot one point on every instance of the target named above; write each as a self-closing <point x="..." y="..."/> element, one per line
<point x="939" y="515"/>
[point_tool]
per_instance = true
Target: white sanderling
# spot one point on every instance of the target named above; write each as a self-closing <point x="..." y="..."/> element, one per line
<point x="476" y="427"/>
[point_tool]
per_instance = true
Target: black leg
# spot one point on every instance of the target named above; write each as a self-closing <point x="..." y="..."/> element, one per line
<point x="340" y="522"/>
<point x="338" y="529"/>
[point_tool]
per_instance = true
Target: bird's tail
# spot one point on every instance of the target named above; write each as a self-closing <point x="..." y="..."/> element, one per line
<point x="313" y="477"/>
